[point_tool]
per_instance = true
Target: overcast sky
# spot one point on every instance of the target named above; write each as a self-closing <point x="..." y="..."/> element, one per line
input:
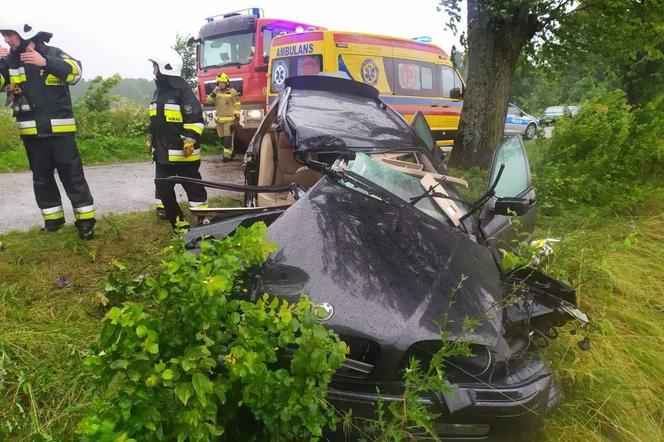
<point x="120" y="35"/>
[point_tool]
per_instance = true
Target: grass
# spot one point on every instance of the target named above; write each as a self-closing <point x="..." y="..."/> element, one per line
<point x="616" y="263"/>
<point x="45" y="331"/>
<point x="101" y="150"/>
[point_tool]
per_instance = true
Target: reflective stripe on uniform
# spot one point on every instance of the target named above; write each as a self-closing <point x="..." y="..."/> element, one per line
<point x="225" y="119"/>
<point x="75" y="71"/>
<point x="198" y="205"/>
<point x="62" y="125"/>
<point x="2" y="81"/>
<point x="53" y="213"/>
<point x="172" y="113"/>
<point x="85" y="212"/>
<point x="17" y="76"/>
<point x="177" y="156"/>
<point x="27" y="127"/>
<point x="159" y="205"/>
<point x="196" y="127"/>
<point x="152" y="110"/>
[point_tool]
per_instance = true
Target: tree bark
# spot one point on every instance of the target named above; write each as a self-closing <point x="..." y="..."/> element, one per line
<point x="494" y="45"/>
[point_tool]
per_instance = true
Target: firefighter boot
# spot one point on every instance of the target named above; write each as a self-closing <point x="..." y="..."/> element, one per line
<point x="229" y="150"/>
<point x="52" y="225"/>
<point x="85" y="228"/>
<point x="161" y="212"/>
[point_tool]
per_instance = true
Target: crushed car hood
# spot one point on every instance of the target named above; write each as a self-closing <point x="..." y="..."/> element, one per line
<point x="390" y="274"/>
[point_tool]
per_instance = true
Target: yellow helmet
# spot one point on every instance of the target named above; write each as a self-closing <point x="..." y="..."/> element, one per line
<point x="223" y="78"/>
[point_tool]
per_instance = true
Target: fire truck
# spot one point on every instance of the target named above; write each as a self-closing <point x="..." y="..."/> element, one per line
<point x="238" y="43"/>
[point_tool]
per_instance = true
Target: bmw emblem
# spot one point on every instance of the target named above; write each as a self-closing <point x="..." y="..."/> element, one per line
<point x="279" y="74"/>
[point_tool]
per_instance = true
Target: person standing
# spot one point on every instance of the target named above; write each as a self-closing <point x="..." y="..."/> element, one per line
<point x="176" y="125"/>
<point x="36" y="78"/>
<point x="226" y="105"/>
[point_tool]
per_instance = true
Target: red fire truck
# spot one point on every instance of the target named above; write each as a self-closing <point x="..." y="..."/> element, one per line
<point x="238" y="43"/>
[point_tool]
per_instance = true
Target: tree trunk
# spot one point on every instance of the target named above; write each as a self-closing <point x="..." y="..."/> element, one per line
<point x="494" y="45"/>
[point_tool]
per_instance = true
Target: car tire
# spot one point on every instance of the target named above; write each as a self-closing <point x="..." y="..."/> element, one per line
<point x="530" y="132"/>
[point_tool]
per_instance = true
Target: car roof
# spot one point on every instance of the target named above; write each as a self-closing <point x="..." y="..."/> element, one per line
<point x="325" y="114"/>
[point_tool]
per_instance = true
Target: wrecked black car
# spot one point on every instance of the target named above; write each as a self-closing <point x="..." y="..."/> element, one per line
<point x="371" y="225"/>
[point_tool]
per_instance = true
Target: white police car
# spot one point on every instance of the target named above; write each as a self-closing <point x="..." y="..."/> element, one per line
<point x="518" y="122"/>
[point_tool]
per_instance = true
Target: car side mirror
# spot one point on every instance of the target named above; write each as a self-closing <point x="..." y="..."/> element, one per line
<point x="511" y="206"/>
<point x="191" y="41"/>
<point x="456" y="93"/>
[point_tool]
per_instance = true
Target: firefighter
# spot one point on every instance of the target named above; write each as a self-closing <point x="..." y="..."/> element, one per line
<point x="36" y="78"/>
<point x="226" y="105"/>
<point x="176" y="125"/>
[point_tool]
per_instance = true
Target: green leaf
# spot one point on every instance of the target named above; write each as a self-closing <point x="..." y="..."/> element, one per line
<point x="141" y="331"/>
<point x="167" y="374"/>
<point x="120" y="363"/>
<point x="184" y="391"/>
<point x="152" y="348"/>
<point x="202" y="384"/>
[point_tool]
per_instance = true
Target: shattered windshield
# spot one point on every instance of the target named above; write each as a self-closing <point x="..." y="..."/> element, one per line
<point x="406" y="187"/>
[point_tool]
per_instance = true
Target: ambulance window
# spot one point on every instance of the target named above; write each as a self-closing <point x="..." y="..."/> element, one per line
<point x="447" y="77"/>
<point x="427" y="78"/>
<point x="457" y="81"/>
<point x="414" y="77"/>
<point x="283" y="68"/>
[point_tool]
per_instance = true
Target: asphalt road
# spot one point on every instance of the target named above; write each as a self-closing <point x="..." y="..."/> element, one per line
<point x="116" y="188"/>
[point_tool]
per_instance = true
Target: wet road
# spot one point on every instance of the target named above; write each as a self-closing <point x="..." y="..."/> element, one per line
<point x="116" y="188"/>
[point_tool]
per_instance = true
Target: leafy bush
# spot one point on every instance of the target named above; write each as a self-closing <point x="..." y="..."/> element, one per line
<point x="603" y="155"/>
<point x="191" y="360"/>
<point x="9" y="138"/>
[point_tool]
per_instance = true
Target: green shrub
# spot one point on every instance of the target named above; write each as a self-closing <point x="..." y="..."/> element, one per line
<point x="9" y="138"/>
<point x="603" y="156"/>
<point x="190" y="359"/>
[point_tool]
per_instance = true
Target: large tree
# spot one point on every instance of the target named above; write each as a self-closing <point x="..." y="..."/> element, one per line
<point x="497" y="32"/>
<point x="188" y="54"/>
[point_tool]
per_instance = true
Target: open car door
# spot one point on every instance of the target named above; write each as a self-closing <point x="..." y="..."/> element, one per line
<point x="515" y="184"/>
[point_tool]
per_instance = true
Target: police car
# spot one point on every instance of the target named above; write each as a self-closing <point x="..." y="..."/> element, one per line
<point x="520" y="123"/>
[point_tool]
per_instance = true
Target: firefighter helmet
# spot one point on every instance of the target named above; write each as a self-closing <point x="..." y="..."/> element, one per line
<point x="169" y="63"/>
<point x="23" y="26"/>
<point x="223" y="78"/>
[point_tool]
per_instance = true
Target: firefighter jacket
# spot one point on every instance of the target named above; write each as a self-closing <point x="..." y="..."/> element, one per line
<point x="175" y="115"/>
<point x="226" y="104"/>
<point x="47" y="108"/>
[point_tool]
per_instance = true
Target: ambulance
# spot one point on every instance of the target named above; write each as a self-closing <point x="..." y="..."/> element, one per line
<point x="410" y="75"/>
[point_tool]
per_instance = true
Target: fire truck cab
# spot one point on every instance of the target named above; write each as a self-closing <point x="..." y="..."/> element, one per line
<point x="238" y="43"/>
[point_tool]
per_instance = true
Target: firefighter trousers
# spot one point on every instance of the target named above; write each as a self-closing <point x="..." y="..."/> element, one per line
<point x="47" y="154"/>
<point x="196" y="194"/>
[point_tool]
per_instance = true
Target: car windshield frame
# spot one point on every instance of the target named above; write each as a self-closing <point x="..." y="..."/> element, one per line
<point x="235" y="41"/>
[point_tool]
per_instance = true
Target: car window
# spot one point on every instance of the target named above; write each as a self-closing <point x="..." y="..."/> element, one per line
<point x="513" y="110"/>
<point x="515" y="177"/>
<point x="447" y="80"/>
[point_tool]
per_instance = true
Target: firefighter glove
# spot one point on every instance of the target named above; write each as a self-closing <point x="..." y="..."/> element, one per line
<point x="148" y="144"/>
<point x="188" y="147"/>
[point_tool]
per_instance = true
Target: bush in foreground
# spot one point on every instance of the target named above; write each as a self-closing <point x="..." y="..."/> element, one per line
<point x="190" y="359"/>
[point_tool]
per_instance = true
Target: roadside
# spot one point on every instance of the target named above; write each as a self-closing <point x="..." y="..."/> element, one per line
<point x="116" y="188"/>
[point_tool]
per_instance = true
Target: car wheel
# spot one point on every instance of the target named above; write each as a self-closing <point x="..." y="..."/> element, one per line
<point x="530" y="132"/>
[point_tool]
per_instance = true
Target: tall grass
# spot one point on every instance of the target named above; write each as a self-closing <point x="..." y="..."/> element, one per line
<point x="615" y="391"/>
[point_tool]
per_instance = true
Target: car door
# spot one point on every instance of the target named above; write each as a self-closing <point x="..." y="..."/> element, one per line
<point x="512" y="126"/>
<point x="515" y="182"/>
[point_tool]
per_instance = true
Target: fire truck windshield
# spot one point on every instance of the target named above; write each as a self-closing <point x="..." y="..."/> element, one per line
<point x="228" y="50"/>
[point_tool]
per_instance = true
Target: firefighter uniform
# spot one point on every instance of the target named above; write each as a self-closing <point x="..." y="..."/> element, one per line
<point x="43" y="111"/>
<point x="176" y="120"/>
<point x="226" y="105"/>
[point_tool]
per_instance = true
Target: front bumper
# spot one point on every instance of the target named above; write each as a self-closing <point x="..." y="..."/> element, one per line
<point x="488" y="412"/>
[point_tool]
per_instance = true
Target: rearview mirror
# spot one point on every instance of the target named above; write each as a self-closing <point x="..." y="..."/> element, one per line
<point x="191" y="41"/>
<point x="456" y="93"/>
<point x="511" y="206"/>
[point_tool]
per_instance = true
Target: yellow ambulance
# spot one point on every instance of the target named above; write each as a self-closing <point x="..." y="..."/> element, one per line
<point x="410" y="75"/>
